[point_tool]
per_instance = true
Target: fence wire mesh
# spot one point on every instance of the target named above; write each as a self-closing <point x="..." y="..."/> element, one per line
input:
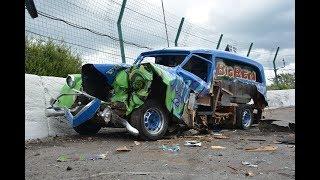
<point x="89" y="27"/>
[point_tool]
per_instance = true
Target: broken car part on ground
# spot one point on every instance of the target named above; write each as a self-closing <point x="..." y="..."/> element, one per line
<point x="195" y="89"/>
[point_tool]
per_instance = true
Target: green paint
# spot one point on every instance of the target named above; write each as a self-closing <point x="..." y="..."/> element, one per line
<point x="131" y="88"/>
<point x="68" y="100"/>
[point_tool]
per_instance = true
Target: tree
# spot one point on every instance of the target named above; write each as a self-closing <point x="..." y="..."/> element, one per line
<point x="285" y="81"/>
<point x="46" y="58"/>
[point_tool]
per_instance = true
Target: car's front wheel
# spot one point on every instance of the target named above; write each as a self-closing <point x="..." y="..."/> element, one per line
<point x="151" y="120"/>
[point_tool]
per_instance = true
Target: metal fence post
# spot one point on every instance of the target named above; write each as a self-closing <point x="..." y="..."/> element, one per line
<point x="274" y="66"/>
<point x="179" y="31"/>
<point x="123" y="57"/>
<point x="218" y="45"/>
<point x="249" y="49"/>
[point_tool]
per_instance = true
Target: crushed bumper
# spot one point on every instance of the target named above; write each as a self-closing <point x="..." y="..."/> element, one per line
<point x="86" y="113"/>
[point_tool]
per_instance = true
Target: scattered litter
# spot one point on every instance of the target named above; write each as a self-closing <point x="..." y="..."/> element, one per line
<point x="100" y="156"/>
<point x="62" y="158"/>
<point x="232" y="168"/>
<point x="174" y="148"/>
<point x="123" y="149"/>
<point x="277" y="142"/>
<point x="217" y="134"/>
<point x="193" y="143"/>
<point x="217" y="147"/>
<point x="37" y="154"/>
<point x="262" y="148"/>
<point x="246" y="163"/>
<point x="249" y="173"/>
<point x="137" y="143"/>
<point x="220" y="136"/>
<point x="256" y="139"/>
<point x="69" y="168"/>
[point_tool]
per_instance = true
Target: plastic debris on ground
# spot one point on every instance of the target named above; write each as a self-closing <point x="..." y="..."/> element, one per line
<point x="217" y="147"/>
<point x="220" y="136"/>
<point x="174" y="148"/>
<point x="123" y="149"/>
<point x="100" y="156"/>
<point x="69" y="168"/>
<point x="64" y="158"/>
<point x="246" y="163"/>
<point x="261" y="149"/>
<point x="193" y="143"/>
<point x="137" y="143"/>
<point x="249" y="173"/>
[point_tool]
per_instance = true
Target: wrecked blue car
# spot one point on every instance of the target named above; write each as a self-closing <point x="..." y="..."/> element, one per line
<point x="171" y="88"/>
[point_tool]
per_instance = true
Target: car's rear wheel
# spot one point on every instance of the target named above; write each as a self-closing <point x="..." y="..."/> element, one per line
<point x="151" y="120"/>
<point x="244" y="116"/>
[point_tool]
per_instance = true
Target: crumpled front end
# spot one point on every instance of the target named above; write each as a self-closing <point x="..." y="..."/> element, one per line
<point x="132" y="87"/>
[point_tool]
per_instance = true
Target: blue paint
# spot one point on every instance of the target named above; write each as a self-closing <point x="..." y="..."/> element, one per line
<point x="110" y="70"/>
<point x="153" y="121"/>
<point x="197" y="84"/>
<point x="84" y="114"/>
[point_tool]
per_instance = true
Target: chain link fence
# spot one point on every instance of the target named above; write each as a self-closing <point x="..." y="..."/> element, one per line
<point x="89" y="28"/>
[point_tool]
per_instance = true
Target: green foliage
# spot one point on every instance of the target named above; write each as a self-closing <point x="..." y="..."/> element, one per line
<point x="46" y="58"/>
<point x="286" y="81"/>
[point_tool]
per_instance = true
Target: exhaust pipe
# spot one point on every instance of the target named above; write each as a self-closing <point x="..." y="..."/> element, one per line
<point x="118" y="120"/>
<point x="54" y="111"/>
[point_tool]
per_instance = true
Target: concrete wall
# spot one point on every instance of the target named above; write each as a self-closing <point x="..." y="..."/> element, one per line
<point x="40" y="89"/>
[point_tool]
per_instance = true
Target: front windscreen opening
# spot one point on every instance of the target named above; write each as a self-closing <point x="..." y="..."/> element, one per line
<point x="165" y="60"/>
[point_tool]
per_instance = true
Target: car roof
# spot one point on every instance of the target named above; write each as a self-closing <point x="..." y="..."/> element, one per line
<point x="218" y="53"/>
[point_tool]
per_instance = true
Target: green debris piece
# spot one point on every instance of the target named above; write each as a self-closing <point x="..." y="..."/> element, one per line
<point x="62" y="158"/>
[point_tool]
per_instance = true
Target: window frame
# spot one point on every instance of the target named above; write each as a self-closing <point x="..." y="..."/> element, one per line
<point x="210" y="63"/>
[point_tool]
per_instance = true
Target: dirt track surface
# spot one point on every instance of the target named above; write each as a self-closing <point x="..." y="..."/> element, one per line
<point x="148" y="161"/>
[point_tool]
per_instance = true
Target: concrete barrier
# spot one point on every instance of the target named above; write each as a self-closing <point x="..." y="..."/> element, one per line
<point x="40" y="89"/>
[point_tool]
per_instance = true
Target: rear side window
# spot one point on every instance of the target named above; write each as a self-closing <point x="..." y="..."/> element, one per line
<point x="198" y="67"/>
<point x="231" y="69"/>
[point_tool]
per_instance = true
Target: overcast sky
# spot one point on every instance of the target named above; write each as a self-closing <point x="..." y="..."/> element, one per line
<point x="266" y="23"/>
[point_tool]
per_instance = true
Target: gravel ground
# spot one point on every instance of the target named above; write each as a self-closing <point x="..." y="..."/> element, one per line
<point x="148" y="161"/>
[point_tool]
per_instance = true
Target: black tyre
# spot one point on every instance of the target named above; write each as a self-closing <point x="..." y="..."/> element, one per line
<point x="244" y="116"/>
<point x="151" y="120"/>
<point x="87" y="128"/>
